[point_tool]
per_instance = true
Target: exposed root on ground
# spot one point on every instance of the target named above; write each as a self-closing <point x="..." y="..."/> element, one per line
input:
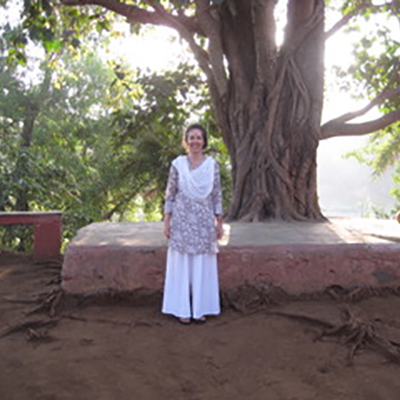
<point x="247" y="298"/>
<point x="251" y="297"/>
<point x="36" y="336"/>
<point x="355" y="331"/>
<point x="302" y="318"/>
<point x="132" y="324"/>
<point x="46" y="302"/>
<point x="18" y="300"/>
<point x="358" y="332"/>
<point x="339" y="293"/>
<point x="28" y="325"/>
<point x="49" y="303"/>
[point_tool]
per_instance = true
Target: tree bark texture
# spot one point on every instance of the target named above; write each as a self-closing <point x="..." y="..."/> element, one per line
<point x="272" y="109"/>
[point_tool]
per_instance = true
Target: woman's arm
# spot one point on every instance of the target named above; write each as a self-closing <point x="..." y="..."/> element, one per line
<point x="220" y="227"/>
<point x="217" y="201"/>
<point x="167" y="225"/>
<point x="170" y="194"/>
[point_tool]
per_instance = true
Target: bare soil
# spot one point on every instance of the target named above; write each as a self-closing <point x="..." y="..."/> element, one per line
<point x="55" y="348"/>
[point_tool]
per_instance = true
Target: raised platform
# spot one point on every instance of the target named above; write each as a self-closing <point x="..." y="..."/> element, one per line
<point x="296" y="257"/>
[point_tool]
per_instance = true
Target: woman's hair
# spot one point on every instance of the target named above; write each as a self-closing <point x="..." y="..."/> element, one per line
<point x="190" y="128"/>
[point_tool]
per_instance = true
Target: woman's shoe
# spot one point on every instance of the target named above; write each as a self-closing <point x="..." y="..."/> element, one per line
<point x="200" y="321"/>
<point x="184" y="321"/>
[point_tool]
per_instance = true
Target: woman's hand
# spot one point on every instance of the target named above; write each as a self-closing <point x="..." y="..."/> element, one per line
<point x="220" y="228"/>
<point x="167" y="226"/>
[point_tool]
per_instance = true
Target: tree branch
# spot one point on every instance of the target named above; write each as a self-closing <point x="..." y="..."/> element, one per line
<point x="339" y="123"/>
<point x="209" y="22"/>
<point x="200" y="54"/>
<point x="185" y="26"/>
<point x="346" y="18"/>
<point x="386" y="94"/>
<point x="264" y="40"/>
<point x="334" y="128"/>
<point x="137" y="15"/>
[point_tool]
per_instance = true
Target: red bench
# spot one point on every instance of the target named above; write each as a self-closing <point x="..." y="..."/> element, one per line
<point x="47" y="230"/>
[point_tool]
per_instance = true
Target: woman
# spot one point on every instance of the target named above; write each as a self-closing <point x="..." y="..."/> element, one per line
<point x="192" y="223"/>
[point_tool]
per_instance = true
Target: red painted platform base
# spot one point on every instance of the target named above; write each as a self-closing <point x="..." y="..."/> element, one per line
<point x="47" y="230"/>
<point x="123" y="258"/>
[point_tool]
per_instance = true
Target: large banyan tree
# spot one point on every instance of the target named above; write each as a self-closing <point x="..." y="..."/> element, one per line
<point x="267" y="99"/>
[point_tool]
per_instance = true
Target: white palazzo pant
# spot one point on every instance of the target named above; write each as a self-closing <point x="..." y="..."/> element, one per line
<point x="191" y="285"/>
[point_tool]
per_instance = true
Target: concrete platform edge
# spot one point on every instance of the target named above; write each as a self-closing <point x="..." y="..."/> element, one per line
<point x="294" y="268"/>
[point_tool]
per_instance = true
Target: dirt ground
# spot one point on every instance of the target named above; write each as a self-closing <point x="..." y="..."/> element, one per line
<point x="52" y="348"/>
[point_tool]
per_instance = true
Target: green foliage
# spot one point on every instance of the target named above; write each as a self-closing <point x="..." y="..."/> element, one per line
<point x="375" y="69"/>
<point x="54" y="27"/>
<point x="382" y="153"/>
<point x="55" y="164"/>
<point x="148" y="137"/>
<point x="102" y="143"/>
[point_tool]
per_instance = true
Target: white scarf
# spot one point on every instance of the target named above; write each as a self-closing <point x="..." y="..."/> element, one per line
<point x="198" y="183"/>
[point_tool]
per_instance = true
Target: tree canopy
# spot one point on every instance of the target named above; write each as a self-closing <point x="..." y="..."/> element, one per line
<point x="267" y="97"/>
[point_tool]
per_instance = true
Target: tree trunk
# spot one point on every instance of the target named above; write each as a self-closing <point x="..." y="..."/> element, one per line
<point x="273" y="108"/>
<point x="22" y="166"/>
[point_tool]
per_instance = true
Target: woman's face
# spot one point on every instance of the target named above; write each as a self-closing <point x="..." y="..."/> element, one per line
<point x="195" y="141"/>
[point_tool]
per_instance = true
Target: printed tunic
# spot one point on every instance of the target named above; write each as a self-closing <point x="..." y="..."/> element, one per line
<point x="193" y="229"/>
